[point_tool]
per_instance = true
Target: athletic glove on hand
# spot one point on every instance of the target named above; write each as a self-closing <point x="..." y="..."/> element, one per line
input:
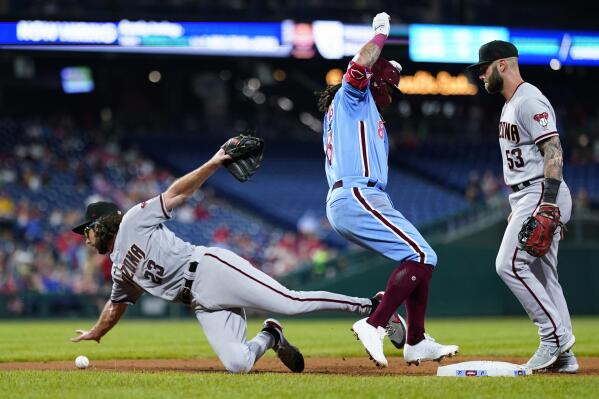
<point x="380" y="24"/>
<point x="246" y="152"/>
<point x="536" y="234"/>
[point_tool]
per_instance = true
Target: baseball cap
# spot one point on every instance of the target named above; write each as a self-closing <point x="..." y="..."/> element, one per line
<point x="495" y="50"/>
<point x="94" y="211"/>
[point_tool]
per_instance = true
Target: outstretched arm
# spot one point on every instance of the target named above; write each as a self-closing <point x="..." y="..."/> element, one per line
<point x="110" y="315"/>
<point x="371" y="51"/>
<point x="554" y="161"/>
<point x="185" y="186"/>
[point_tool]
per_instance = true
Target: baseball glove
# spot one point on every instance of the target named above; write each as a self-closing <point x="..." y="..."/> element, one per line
<point x="536" y="234"/>
<point x="246" y="152"/>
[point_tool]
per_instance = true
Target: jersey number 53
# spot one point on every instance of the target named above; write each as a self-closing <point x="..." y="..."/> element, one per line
<point x="514" y="158"/>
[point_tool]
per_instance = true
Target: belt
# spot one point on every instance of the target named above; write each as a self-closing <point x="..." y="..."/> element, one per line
<point x="339" y="184"/>
<point x="517" y="187"/>
<point x="188" y="277"/>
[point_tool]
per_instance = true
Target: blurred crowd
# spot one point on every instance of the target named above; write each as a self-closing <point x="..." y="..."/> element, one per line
<point x="50" y="170"/>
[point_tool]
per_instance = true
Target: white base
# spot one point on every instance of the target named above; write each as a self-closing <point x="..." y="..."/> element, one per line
<point x="484" y="368"/>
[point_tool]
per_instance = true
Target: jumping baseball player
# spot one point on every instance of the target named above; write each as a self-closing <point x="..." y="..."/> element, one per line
<point x="358" y="208"/>
<point x="215" y="282"/>
<point x="540" y="203"/>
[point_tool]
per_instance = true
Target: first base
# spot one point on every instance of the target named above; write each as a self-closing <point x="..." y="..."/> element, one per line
<point x="484" y="368"/>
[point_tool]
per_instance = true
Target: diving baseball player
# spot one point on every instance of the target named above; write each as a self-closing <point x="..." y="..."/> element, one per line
<point x="358" y="208"/>
<point x="219" y="285"/>
<point x="540" y="203"/>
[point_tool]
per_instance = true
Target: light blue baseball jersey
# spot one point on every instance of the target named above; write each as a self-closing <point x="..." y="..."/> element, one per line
<point x="355" y="138"/>
<point x="356" y="148"/>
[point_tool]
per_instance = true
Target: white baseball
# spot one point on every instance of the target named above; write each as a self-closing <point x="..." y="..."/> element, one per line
<point x="82" y="362"/>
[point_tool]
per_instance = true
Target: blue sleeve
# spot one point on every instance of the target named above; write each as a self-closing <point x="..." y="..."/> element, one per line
<point x="353" y="98"/>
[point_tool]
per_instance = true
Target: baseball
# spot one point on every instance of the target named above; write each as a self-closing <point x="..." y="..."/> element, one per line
<point x="82" y="362"/>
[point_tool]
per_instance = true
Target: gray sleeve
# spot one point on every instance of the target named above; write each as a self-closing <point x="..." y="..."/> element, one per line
<point x="124" y="292"/>
<point x="538" y="119"/>
<point x="148" y="213"/>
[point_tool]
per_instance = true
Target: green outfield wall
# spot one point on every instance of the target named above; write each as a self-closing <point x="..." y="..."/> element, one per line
<point x="464" y="283"/>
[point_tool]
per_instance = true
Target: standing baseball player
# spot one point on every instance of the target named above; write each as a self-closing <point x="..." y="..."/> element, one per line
<point x="540" y="203"/>
<point x="358" y="208"/>
<point x="215" y="282"/>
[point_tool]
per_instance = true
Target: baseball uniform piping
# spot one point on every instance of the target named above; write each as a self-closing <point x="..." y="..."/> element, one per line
<point x="282" y="293"/>
<point x="163" y="207"/>
<point x="364" y="150"/>
<point x="526" y="286"/>
<point x="545" y="136"/>
<point x="534" y="296"/>
<point x="399" y="232"/>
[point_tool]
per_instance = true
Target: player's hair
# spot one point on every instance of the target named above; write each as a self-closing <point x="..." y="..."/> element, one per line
<point x="106" y="228"/>
<point x="326" y="96"/>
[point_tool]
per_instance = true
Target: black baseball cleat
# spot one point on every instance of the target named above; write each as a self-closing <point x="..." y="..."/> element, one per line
<point x="287" y="353"/>
<point x="376" y="300"/>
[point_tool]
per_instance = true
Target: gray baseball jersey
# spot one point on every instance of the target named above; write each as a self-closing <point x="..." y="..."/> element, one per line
<point x="147" y="256"/>
<point x="526" y="120"/>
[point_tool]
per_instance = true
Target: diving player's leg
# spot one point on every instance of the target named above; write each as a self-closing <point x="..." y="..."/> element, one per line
<point x="226" y="333"/>
<point x="228" y="280"/>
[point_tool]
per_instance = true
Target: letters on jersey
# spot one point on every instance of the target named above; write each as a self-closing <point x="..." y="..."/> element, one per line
<point x="132" y="260"/>
<point x="509" y="132"/>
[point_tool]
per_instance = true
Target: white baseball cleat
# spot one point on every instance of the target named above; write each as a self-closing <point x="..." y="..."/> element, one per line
<point x="287" y="353"/>
<point x="427" y="349"/>
<point x="372" y="339"/>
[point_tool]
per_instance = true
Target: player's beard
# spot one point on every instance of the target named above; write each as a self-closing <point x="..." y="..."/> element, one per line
<point x="495" y="82"/>
<point x="102" y="246"/>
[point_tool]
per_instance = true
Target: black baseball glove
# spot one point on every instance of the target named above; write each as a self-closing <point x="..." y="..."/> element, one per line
<point x="246" y="152"/>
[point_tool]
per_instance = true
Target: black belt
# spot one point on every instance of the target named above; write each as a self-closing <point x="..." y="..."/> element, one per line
<point x="339" y="184"/>
<point x="517" y="187"/>
<point x="185" y="294"/>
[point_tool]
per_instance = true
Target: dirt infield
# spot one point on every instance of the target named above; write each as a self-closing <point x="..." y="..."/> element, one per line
<point x="314" y="365"/>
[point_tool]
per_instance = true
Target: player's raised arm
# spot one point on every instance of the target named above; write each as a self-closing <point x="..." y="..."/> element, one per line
<point x="371" y="51"/>
<point x="110" y="315"/>
<point x="185" y="186"/>
<point x="357" y="72"/>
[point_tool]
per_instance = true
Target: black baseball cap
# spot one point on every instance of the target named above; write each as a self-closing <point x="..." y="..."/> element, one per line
<point x="495" y="50"/>
<point x="94" y="211"/>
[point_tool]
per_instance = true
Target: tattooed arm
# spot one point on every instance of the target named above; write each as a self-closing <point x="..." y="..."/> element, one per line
<point x="553" y="171"/>
<point x="368" y="54"/>
<point x="552" y="153"/>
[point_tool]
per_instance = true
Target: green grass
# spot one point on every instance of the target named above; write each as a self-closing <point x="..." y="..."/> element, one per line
<point x="169" y="339"/>
<point x="35" y="384"/>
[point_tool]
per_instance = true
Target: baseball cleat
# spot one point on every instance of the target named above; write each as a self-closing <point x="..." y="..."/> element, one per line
<point x="376" y="300"/>
<point x="372" y="339"/>
<point x="289" y="355"/>
<point x="565" y="363"/>
<point x="544" y="357"/>
<point x="568" y="345"/>
<point x="426" y="350"/>
<point x="397" y="331"/>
